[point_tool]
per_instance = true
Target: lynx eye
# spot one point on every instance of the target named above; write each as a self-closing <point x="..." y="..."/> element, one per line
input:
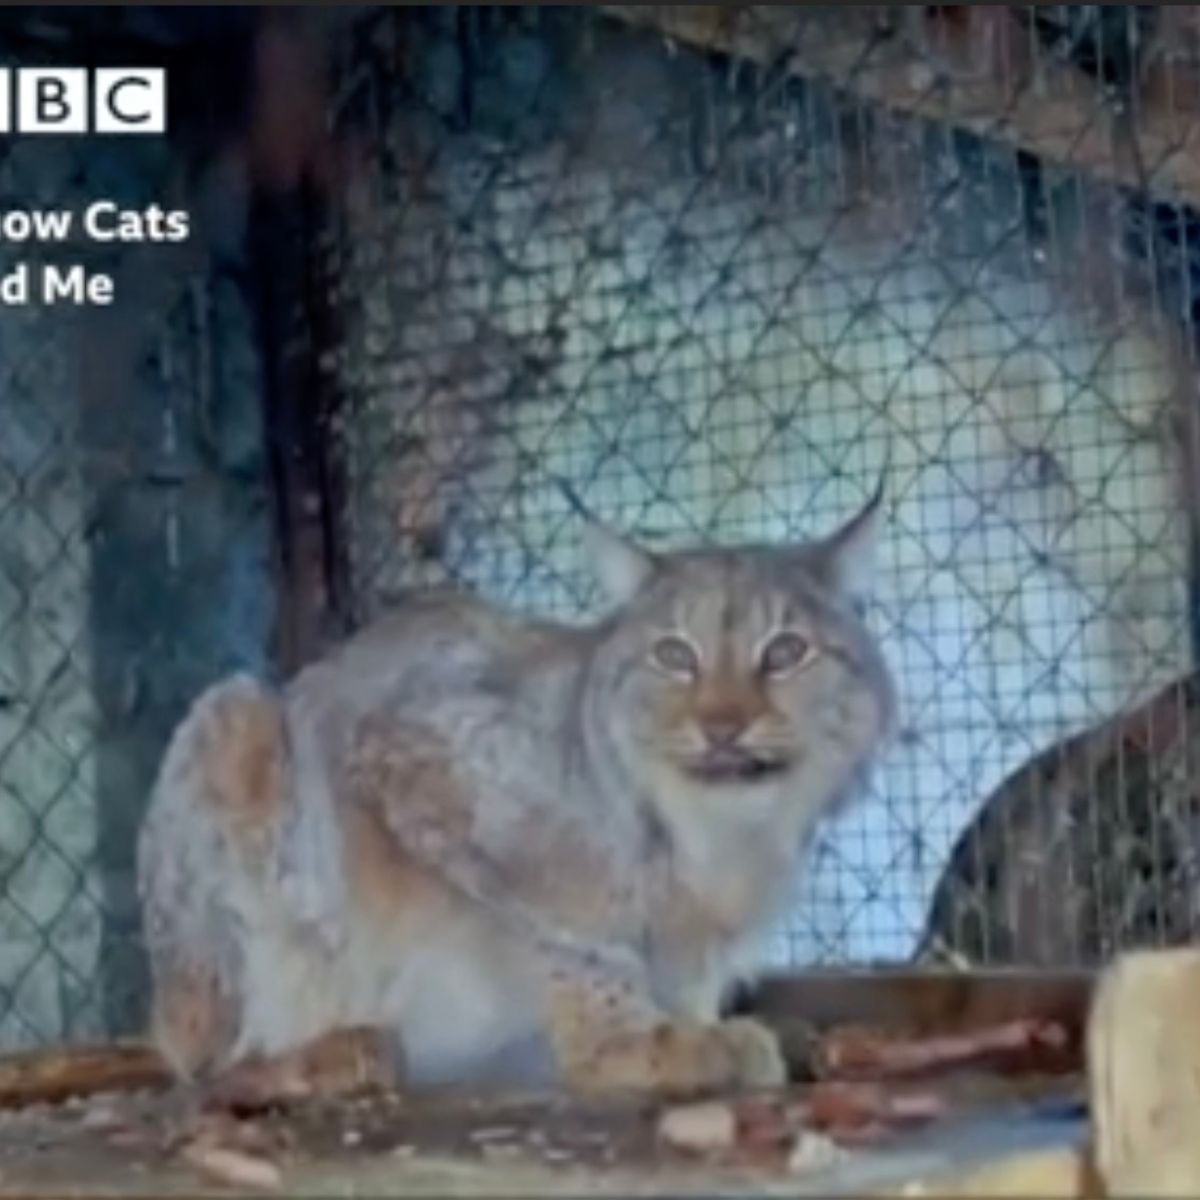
<point x="676" y="656"/>
<point x="784" y="653"/>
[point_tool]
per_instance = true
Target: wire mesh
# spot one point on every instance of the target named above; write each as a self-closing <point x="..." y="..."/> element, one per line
<point x="131" y="573"/>
<point x="713" y="268"/>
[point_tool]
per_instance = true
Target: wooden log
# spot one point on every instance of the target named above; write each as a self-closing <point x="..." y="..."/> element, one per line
<point x="979" y="76"/>
<point x="1144" y="1074"/>
<point x="52" y="1075"/>
<point x="1029" y="1045"/>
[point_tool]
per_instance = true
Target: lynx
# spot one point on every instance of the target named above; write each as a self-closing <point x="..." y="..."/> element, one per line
<point x="524" y="851"/>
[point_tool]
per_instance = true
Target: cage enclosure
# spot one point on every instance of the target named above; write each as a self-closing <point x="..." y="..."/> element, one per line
<point x="457" y="274"/>
<point x="716" y="274"/>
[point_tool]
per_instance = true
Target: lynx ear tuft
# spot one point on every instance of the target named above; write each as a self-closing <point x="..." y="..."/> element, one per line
<point x="847" y="557"/>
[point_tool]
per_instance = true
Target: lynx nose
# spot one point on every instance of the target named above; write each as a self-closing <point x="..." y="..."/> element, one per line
<point x="722" y="728"/>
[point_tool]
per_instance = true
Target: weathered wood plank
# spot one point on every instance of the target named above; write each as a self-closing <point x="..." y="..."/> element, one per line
<point x="1144" y="1074"/>
<point x="1058" y="1172"/>
<point x="922" y="1000"/>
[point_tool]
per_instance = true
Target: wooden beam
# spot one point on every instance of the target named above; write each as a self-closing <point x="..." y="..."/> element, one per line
<point x="299" y="412"/>
<point x="921" y="1000"/>
<point x="1144" y="1074"/>
<point x="977" y="71"/>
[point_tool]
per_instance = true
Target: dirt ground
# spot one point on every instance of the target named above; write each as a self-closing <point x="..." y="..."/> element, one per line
<point x="392" y="1145"/>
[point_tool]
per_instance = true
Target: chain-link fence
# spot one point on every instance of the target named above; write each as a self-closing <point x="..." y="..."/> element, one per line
<point x="156" y="529"/>
<point x="134" y="567"/>
<point x="714" y="266"/>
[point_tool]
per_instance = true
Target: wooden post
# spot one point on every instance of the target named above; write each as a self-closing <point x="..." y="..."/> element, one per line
<point x="1144" y="1074"/>
<point x="294" y="326"/>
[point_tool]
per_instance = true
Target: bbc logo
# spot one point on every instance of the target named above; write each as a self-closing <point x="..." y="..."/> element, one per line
<point x="83" y="100"/>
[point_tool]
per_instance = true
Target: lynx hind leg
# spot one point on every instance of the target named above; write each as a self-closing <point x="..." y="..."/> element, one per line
<point x="608" y="1036"/>
<point x="194" y="1011"/>
<point x="228" y="759"/>
<point x="209" y="828"/>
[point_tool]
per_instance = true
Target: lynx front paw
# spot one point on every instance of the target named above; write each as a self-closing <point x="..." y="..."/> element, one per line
<point x="343" y="1062"/>
<point x="759" y="1056"/>
<point x="683" y="1059"/>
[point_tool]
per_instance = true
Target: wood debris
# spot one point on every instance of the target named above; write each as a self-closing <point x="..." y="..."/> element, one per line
<point x="1012" y="1046"/>
<point x="703" y="1128"/>
<point x="495" y="1133"/>
<point x="813" y="1151"/>
<point x="234" y="1167"/>
<point x="240" y="1154"/>
<point x="856" y="1109"/>
<point x="885" y="1069"/>
<point x="797" y="1130"/>
<point x="103" y="1116"/>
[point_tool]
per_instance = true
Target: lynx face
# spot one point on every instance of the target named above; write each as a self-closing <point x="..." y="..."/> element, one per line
<point x="743" y="673"/>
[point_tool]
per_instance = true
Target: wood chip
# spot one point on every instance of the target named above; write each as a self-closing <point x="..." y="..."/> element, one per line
<point x="765" y="1124"/>
<point x="813" y="1151"/>
<point x="699" y="1127"/>
<point x="494" y="1133"/>
<point x="128" y="1137"/>
<point x="234" y="1167"/>
<point x="500" y="1150"/>
<point x="102" y="1118"/>
<point x="842" y="1108"/>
